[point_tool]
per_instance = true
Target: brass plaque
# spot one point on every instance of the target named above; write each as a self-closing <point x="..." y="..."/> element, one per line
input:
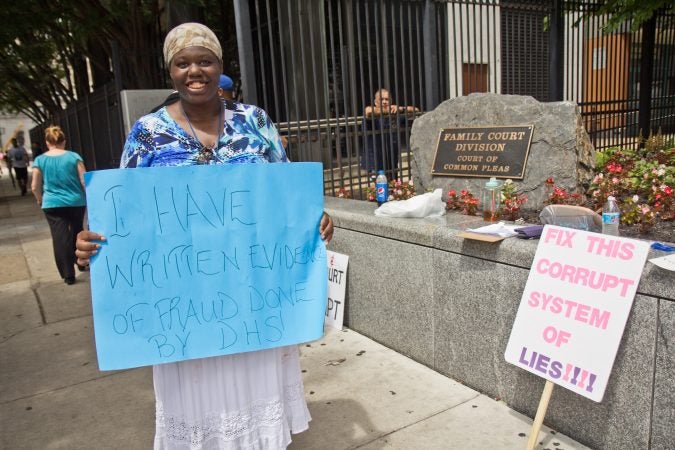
<point x="499" y="152"/>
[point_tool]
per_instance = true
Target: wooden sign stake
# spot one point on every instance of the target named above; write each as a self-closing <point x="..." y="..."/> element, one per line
<point x="539" y="417"/>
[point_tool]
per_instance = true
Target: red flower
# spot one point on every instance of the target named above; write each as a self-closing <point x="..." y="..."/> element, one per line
<point x="614" y="168"/>
<point x="549" y="180"/>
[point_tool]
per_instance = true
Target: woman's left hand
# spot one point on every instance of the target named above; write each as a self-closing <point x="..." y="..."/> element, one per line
<point x="326" y="228"/>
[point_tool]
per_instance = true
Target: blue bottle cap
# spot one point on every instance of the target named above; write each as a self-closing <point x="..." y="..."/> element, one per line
<point x="662" y="247"/>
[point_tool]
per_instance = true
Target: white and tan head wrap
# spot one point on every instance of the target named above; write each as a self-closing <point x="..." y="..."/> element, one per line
<point x="190" y="35"/>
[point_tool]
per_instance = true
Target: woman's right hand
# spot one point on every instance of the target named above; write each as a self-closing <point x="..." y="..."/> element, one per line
<point x="85" y="248"/>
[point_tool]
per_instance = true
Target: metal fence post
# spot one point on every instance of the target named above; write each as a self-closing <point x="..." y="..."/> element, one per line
<point x="116" y="65"/>
<point x="245" y="49"/>
<point x="646" y="76"/>
<point x="430" y="51"/>
<point x="119" y="85"/>
<point x="556" y="42"/>
<point x="92" y="141"/>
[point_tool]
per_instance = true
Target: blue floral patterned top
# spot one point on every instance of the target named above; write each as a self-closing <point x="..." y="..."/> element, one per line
<point x="249" y="136"/>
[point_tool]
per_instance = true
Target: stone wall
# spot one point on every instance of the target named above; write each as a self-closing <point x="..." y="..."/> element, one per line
<point x="449" y="303"/>
<point x="560" y="146"/>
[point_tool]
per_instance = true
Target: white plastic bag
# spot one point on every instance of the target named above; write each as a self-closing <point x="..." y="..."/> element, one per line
<point x="425" y="205"/>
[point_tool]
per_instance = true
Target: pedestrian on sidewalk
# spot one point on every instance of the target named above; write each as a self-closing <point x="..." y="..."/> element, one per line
<point x="19" y="159"/>
<point x="240" y="401"/>
<point x="58" y="187"/>
<point x="8" y="162"/>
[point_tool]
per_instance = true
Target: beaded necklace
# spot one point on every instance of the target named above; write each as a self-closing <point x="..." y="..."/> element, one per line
<point x="206" y="154"/>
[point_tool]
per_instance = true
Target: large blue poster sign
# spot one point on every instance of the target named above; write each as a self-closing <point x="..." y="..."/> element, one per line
<point x="205" y="260"/>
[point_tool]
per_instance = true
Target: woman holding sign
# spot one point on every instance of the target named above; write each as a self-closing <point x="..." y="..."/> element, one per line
<point x="245" y="400"/>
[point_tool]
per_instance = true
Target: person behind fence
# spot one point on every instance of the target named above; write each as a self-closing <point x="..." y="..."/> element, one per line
<point x="381" y="124"/>
<point x="19" y="158"/>
<point x="226" y="92"/>
<point x="239" y="401"/>
<point x="58" y="187"/>
<point x="226" y="87"/>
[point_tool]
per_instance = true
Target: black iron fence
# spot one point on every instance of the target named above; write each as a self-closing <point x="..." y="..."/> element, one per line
<point x="316" y="65"/>
<point x="93" y="128"/>
<point x="612" y="68"/>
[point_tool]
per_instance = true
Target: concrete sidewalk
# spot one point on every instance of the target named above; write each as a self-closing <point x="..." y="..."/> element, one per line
<point x="360" y="394"/>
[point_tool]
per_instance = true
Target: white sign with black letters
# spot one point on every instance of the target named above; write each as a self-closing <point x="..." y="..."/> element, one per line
<point x="337" y="283"/>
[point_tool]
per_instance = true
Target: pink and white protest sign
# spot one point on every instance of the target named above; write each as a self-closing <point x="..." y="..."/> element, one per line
<point x="575" y="306"/>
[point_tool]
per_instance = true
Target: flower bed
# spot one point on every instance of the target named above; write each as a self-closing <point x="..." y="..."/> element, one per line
<point x="641" y="180"/>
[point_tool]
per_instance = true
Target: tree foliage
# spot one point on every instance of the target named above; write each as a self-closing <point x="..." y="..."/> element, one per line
<point x="635" y="11"/>
<point x="55" y="51"/>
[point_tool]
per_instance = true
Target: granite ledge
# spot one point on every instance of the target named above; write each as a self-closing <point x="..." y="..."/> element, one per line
<point x="443" y="234"/>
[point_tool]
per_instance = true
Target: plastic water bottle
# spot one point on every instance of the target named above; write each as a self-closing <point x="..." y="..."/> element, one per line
<point x="492" y="195"/>
<point x="381" y="187"/>
<point x="611" y="216"/>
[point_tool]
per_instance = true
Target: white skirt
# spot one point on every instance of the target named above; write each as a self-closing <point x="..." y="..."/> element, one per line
<point x="249" y="400"/>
